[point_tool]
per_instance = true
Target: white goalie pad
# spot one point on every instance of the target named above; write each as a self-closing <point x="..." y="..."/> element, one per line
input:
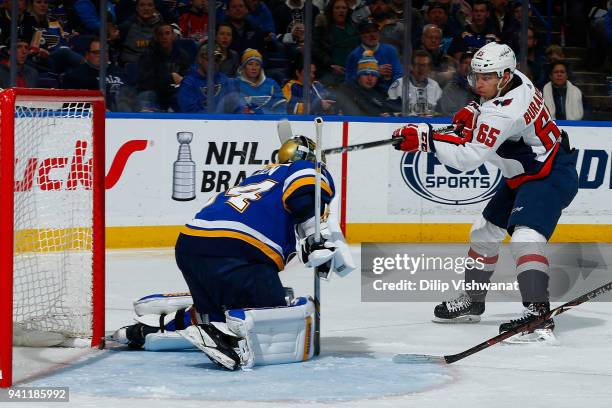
<point x="275" y="335"/>
<point x="162" y="303"/>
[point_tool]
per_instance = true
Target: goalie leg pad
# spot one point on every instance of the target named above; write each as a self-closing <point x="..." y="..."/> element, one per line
<point x="275" y="335"/>
<point x="162" y="303"/>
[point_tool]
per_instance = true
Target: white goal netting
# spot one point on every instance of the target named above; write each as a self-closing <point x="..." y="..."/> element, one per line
<point x="53" y="221"/>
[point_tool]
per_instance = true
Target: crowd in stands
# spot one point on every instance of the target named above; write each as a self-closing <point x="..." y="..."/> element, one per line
<point x="158" y="53"/>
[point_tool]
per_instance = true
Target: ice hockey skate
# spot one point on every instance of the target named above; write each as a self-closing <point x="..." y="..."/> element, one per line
<point x="460" y="310"/>
<point x="541" y="333"/>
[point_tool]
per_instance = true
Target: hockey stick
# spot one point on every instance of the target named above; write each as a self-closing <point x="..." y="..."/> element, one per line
<point x="529" y="326"/>
<point x="367" y="145"/>
<point x="317" y="236"/>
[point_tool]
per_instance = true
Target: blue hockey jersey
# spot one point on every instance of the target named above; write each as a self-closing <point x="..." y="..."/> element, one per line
<point x="255" y="219"/>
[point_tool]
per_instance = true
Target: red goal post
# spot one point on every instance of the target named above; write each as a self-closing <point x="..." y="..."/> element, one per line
<point x="51" y="216"/>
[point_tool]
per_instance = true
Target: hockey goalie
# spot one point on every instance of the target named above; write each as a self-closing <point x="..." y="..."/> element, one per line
<point x="230" y="255"/>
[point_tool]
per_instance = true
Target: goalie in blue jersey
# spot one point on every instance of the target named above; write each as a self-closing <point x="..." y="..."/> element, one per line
<point x="230" y="255"/>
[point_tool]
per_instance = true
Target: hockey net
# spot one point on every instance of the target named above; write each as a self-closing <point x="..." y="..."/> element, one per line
<point x="52" y="161"/>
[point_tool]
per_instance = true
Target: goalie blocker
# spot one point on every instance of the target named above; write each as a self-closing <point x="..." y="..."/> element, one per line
<point x="249" y="337"/>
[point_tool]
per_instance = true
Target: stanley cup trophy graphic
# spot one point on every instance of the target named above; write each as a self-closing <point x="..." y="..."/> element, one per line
<point x="183" y="181"/>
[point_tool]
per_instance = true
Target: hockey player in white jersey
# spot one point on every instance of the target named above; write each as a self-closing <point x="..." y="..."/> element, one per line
<point x="511" y="129"/>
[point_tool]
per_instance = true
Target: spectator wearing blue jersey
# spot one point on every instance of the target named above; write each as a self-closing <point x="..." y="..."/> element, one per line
<point x="260" y="94"/>
<point x="50" y="40"/>
<point x="192" y="94"/>
<point x="389" y="64"/>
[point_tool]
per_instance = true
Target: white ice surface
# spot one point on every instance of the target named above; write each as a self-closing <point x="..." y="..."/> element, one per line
<point x="358" y="340"/>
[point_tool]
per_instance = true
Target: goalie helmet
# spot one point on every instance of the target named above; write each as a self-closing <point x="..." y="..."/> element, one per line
<point x="493" y="57"/>
<point x="298" y="148"/>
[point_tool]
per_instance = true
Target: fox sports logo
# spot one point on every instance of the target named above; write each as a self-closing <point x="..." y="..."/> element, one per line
<point x="430" y="179"/>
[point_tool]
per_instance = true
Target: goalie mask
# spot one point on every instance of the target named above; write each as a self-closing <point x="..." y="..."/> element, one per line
<point x="298" y="148"/>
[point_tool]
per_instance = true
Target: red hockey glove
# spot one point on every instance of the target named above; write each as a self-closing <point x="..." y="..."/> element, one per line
<point x="414" y="137"/>
<point x="466" y="118"/>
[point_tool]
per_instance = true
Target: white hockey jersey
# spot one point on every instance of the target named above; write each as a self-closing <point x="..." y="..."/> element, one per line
<point x="514" y="132"/>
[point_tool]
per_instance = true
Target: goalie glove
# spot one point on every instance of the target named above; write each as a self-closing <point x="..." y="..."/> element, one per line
<point x="331" y="254"/>
<point x="317" y="254"/>
<point x="414" y="137"/>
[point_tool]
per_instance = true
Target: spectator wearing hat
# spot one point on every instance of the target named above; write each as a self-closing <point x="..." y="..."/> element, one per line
<point x="423" y="92"/>
<point x="389" y="64"/>
<point x="562" y="98"/>
<point x="260" y="94"/>
<point x="457" y="93"/>
<point x="161" y="69"/>
<point x="334" y="39"/>
<point x="362" y="96"/>
<point x="192" y="93"/>
<point x="193" y="20"/>
<point x="27" y="77"/>
<point x="321" y="101"/>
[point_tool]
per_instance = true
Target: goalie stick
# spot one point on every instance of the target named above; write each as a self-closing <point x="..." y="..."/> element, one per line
<point x="317" y="279"/>
<point x="283" y="128"/>
<point x="367" y="145"/>
<point x="449" y="359"/>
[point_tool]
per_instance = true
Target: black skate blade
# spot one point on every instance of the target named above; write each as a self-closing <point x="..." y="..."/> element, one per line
<point x="417" y="359"/>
